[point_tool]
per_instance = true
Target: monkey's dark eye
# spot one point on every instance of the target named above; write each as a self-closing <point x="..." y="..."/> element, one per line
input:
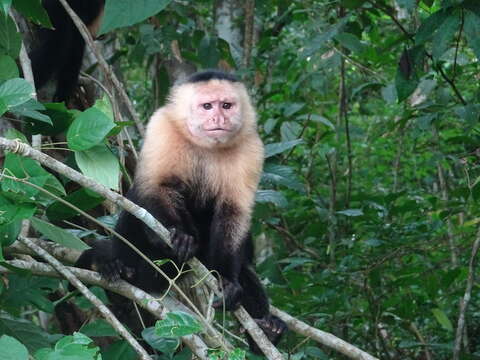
<point x="207" y="106"/>
<point x="227" y="105"/>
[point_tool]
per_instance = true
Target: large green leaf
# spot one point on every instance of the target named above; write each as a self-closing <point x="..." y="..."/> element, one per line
<point x="12" y="349"/>
<point x="278" y="148"/>
<point x="88" y="129"/>
<point x="121" y="13"/>
<point x="29" y="334"/>
<point x="33" y="10"/>
<point x="429" y="27"/>
<point x="271" y="196"/>
<point x="10" y="39"/>
<point x="166" y="345"/>
<point x="83" y="199"/>
<point x="472" y="31"/>
<point x="15" y="92"/>
<point x="443" y="38"/>
<point x="73" y="347"/>
<point x="58" y="235"/>
<point x="31" y="109"/>
<point x="100" y="164"/>
<point x="281" y="175"/>
<point x="177" y="323"/>
<point x="8" y="68"/>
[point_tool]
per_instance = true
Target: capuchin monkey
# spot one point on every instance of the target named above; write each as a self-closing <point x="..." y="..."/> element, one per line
<point x="59" y="53"/>
<point x="197" y="173"/>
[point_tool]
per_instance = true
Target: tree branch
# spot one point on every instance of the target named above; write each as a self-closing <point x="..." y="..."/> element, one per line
<point x="104" y="310"/>
<point x="143" y="299"/>
<point x="466" y="299"/>
<point x="322" y="337"/>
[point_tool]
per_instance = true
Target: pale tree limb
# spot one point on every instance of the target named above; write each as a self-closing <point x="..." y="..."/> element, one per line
<point x="104" y="310"/>
<point x="466" y="299"/>
<point x="143" y="299"/>
<point x="270" y="351"/>
<point x="110" y="75"/>
<point x="322" y="337"/>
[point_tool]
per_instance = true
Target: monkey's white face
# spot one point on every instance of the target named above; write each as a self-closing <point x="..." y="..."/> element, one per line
<point x="216" y="114"/>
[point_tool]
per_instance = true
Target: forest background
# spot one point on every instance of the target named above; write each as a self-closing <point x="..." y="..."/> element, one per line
<point x="366" y="220"/>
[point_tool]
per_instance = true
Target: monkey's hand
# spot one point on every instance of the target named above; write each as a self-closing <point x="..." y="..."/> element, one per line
<point x="232" y="296"/>
<point x="273" y="327"/>
<point x="184" y="245"/>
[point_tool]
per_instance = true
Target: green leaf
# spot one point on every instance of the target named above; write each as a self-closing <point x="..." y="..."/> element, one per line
<point x="429" y="27"/>
<point x="442" y="319"/>
<point x="32" y="336"/>
<point x="30" y="170"/>
<point x="98" y="327"/>
<point x="351" y="212"/>
<point x="60" y="116"/>
<point x="442" y="39"/>
<point x="34" y="11"/>
<point x="319" y="41"/>
<point x="5" y="7"/>
<point x="282" y="175"/>
<point x="278" y="148"/>
<point x="14" y="92"/>
<point x="27" y="291"/>
<point x="9" y="232"/>
<point x="58" y="235"/>
<point x="10" y="39"/>
<point x="121" y="13"/>
<point x="120" y="350"/>
<point x="237" y="354"/>
<point x="208" y="53"/>
<point x="83" y="199"/>
<point x="290" y="130"/>
<point x="8" y="68"/>
<point x="165" y="345"/>
<point x="88" y="129"/>
<point x="177" y="323"/>
<point x="271" y="196"/>
<point x="11" y="211"/>
<point x="100" y="164"/>
<point x="75" y="347"/>
<point x="30" y="109"/>
<point x="351" y="42"/>
<point x="472" y="31"/>
<point x="12" y="349"/>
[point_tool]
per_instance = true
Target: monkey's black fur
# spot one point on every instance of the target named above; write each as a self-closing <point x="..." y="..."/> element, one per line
<point x="201" y="226"/>
<point x="207" y="75"/>
<point x="59" y="53"/>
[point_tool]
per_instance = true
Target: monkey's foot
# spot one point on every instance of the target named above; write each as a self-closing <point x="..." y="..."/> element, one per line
<point x="273" y="327"/>
<point x="232" y="296"/>
<point x="184" y="245"/>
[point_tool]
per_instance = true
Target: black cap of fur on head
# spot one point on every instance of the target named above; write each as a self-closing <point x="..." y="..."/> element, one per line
<point x="208" y="75"/>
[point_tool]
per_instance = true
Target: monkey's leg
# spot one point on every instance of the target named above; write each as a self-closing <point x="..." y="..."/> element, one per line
<point x="255" y="301"/>
<point x="226" y="252"/>
<point x="67" y="76"/>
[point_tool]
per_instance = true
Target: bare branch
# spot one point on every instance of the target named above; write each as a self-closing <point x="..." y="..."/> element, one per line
<point x="322" y="337"/>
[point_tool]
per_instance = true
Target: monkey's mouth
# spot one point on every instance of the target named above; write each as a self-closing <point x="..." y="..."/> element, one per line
<point x="217" y="131"/>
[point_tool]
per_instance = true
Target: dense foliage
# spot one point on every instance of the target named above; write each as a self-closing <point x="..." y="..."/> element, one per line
<point x="368" y="207"/>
